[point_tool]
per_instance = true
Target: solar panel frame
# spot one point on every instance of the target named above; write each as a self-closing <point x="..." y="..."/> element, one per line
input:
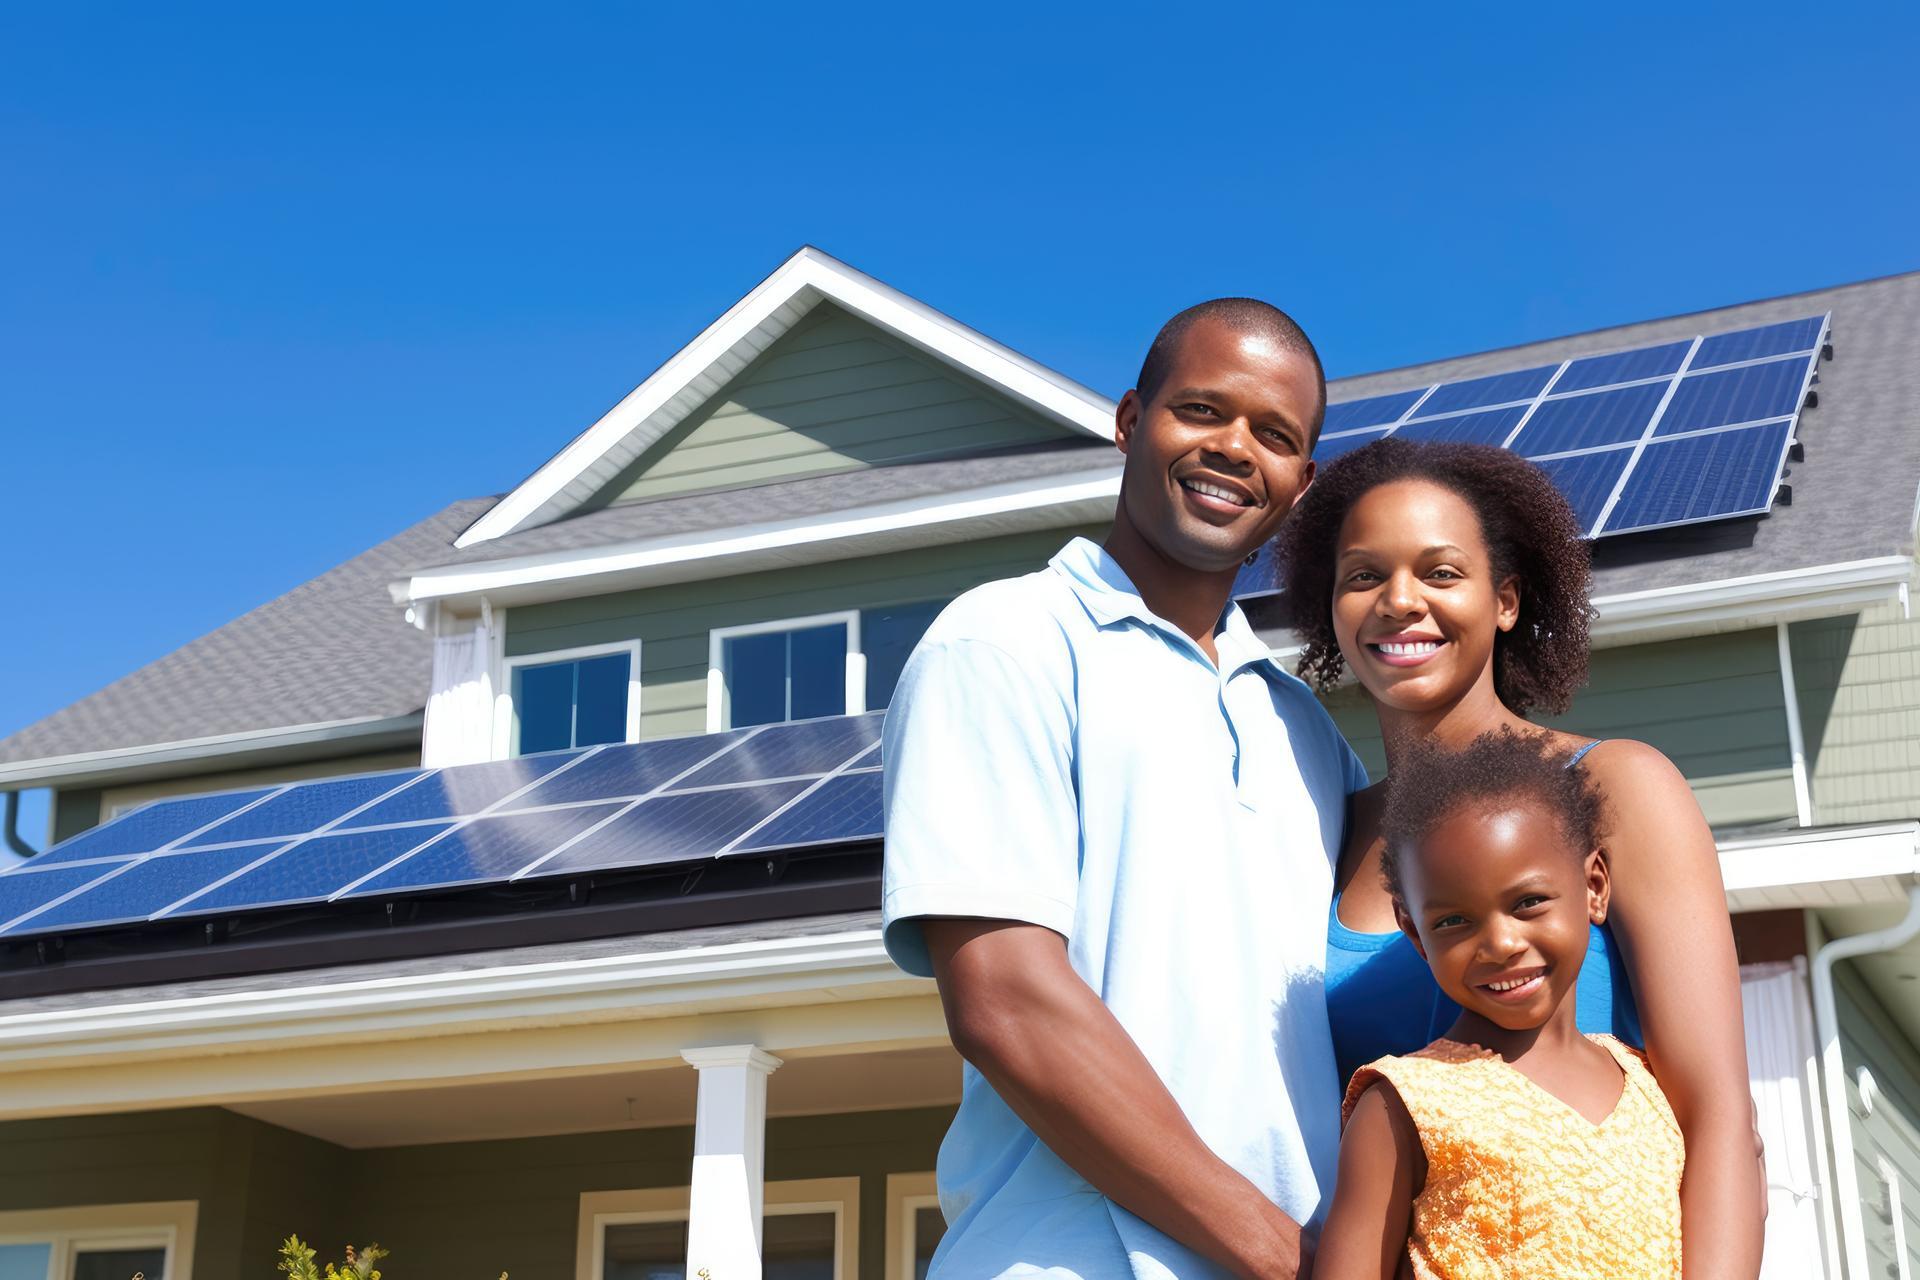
<point x="86" y="841"/>
<point x="1767" y="480"/>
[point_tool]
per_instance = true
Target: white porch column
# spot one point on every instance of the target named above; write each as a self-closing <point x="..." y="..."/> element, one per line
<point x="729" y="1159"/>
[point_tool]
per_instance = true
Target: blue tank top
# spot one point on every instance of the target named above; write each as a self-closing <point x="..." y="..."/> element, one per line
<point x="1382" y="999"/>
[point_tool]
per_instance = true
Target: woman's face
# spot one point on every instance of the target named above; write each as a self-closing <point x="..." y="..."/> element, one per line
<point x="1416" y="605"/>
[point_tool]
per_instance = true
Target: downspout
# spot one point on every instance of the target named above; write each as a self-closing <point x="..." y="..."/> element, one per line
<point x="20" y="847"/>
<point x="1846" y="1179"/>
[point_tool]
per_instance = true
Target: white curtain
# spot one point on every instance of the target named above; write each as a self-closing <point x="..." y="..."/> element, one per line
<point x="459" y="728"/>
<point x="1782" y="1070"/>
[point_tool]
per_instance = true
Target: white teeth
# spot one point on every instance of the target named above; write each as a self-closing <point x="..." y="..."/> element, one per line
<point x="1410" y="648"/>
<point x="1509" y="985"/>
<point x="1215" y="491"/>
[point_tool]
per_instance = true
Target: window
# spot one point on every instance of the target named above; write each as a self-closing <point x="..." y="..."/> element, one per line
<point x="915" y="1225"/>
<point x="887" y="637"/>
<point x="105" y="1242"/>
<point x="810" y="1230"/>
<point x="575" y="697"/>
<point x="794" y="669"/>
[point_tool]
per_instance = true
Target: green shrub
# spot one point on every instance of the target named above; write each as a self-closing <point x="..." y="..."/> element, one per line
<point x="296" y="1263"/>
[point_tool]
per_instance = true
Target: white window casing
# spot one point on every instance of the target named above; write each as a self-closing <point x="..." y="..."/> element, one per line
<point x="907" y="1195"/>
<point x="167" y="1225"/>
<point x="718" y="715"/>
<point x="602" y="1209"/>
<point x="507" y="722"/>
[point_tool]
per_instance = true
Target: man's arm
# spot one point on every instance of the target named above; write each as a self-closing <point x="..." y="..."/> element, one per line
<point x="1019" y="1013"/>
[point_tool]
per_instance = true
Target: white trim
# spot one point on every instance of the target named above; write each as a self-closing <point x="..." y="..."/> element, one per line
<point x="511" y="668"/>
<point x="907" y="1194"/>
<point x="1756" y="599"/>
<point x="1820" y="867"/>
<point x="659" y="982"/>
<point x="1048" y="502"/>
<point x="698" y="370"/>
<point x="602" y="1209"/>
<point x="854" y="674"/>
<point x="1796" y="741"/>
<point x="161" y="1224"/>
<point x="93" y="765"/>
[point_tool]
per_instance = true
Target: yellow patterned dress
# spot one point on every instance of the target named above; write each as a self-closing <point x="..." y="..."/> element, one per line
<point x="1519" y="1184"/>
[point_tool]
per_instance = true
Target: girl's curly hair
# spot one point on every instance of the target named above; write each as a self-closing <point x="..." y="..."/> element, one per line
<point x="1529" y="529"/>
<point x="1432" y="784"/>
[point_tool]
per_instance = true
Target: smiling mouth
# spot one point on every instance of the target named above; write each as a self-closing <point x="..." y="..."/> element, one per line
<point x="1516" y="988"/>
<point x="1406" y="653"/>
<point x="1217" y="497"/>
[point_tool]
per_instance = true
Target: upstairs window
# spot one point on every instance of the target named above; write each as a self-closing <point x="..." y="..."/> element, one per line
<point x="575" y="697"/>
<point x="793" y="669"/>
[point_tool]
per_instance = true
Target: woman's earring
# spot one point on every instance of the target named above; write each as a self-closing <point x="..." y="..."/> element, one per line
<point x="1252" y="556"/>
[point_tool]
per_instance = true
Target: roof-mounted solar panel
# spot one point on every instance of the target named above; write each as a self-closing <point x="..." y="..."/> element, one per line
<point x="568" y="814"/>
<point x="1622" y="433"/>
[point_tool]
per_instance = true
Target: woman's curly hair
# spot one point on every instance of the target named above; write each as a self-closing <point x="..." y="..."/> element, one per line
<point x="1529" y="529"/>
<point x="1432" y="784"/>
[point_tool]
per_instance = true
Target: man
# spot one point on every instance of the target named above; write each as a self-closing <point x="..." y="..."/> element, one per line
<point x="1111" y="826"/>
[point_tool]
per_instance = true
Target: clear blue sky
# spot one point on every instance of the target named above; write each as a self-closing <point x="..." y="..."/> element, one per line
<point x="274" y="285"/>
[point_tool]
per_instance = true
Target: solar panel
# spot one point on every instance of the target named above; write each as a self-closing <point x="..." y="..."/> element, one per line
<point x="604" y="809"/>
<point x="154" y="826"/>
<point x="1597" y="423"/>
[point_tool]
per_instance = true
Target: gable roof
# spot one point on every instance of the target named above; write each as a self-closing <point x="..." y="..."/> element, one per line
<point x="687" y="381"/>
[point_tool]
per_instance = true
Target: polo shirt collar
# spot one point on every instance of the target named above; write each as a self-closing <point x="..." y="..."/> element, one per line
<point x="1106" y="592"/>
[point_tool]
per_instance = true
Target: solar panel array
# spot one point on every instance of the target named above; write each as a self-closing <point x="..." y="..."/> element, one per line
<point x="1672" y="434"/>
<point x="563" y="814"/>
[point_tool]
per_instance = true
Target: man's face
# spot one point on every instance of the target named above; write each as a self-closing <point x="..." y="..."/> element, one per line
<point x="1219" y="455"/>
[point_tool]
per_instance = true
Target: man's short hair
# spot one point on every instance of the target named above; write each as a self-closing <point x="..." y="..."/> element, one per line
<point x="1244" y="315"/>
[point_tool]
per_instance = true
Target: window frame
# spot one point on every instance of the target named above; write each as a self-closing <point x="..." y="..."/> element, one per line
<point x="507" y="733"/>
<point x="907" y="1194"/>
<point x="602" y="1209"/>
<point x="719" y="712"/>
<point x="163" y="1224"/>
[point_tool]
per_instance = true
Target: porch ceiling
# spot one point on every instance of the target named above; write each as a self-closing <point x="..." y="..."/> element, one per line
<point x="639" y="1099"/>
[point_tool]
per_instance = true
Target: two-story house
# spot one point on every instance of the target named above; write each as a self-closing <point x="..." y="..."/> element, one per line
<point x="508" y="894"/>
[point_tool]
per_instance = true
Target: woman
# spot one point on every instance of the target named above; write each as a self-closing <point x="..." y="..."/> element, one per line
<point x="1452" y="580"/>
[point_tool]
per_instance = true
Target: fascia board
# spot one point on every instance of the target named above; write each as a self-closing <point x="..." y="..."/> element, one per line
<point x="768" y="311"/>
<point x="1803" y="867"/>
<point x="681" y="557"/>
<point x="125" y="763"/>
<point x="1812" y="591"/>
<point x="844" y="966"/>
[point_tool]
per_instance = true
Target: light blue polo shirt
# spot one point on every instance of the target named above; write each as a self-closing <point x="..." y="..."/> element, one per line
<point x="1057" y="754"/>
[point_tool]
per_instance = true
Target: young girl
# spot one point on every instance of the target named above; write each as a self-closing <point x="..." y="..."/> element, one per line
<point x="1513" y="1145"/>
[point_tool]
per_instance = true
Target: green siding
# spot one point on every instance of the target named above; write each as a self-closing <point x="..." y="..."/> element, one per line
<point x="834" y="394"/>
<point x="1714" y="704"/>
<point x="74" y="812"/>
<point x="672" y="623"/>
<point x="1890" y="1128"/>
<point x="254" y="1183"/>
<point x="1858" y="678"/>
<point x="461" y="1211"/>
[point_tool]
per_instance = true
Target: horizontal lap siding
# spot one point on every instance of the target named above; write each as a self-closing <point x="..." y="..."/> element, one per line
<point x="1890" y="1128"/>
<point x="833" y="395"/>
<point x="672" y="623"/>
<point x="1713" y="704"/>
<point x="1859" y="684"/>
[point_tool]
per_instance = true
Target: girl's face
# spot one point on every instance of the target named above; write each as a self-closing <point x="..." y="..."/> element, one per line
<point x="1498" y="902"/>
<point x="1416" y="605"/>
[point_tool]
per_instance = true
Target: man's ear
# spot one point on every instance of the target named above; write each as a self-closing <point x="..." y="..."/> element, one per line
<point x="1506" y="599"/>
<point x="1405" y="921"/>
<point x="1125" y="419"/>
<point x="1599" y="886"/>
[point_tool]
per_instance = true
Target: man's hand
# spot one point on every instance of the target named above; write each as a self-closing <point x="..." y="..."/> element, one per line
<point x="1027" y="1022"/>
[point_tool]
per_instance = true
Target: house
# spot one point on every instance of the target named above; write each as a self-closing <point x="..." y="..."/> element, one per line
<point x="227" y="1013"/>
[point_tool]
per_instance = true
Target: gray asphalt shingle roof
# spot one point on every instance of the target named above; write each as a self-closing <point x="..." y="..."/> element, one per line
<point x="337" y="649"/>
